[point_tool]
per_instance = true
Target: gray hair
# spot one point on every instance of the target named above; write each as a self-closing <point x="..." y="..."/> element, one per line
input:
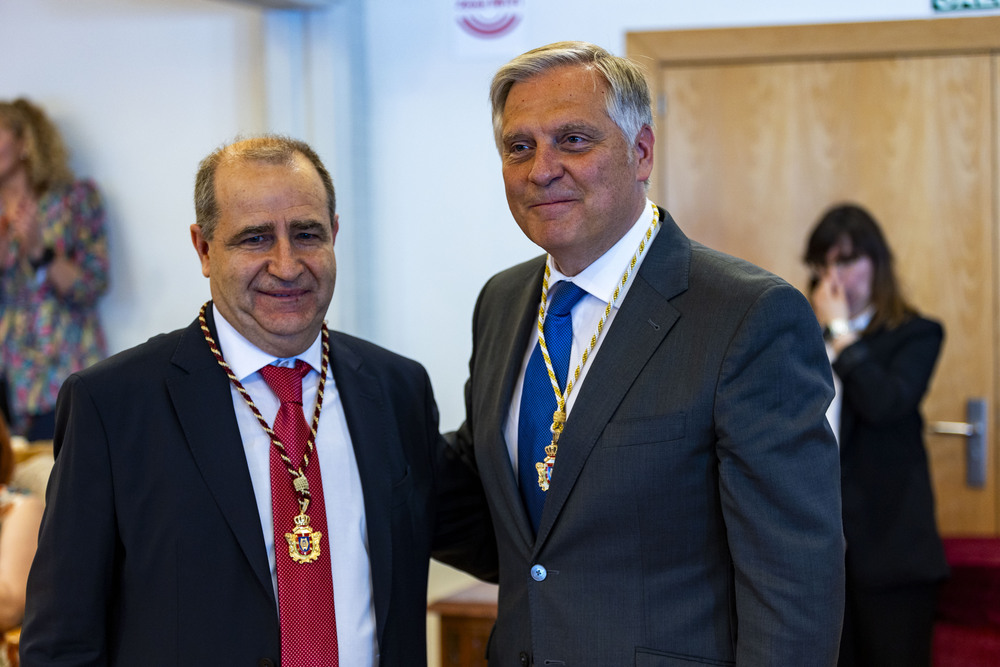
<point x="628" y="99"/>
<point x="268" y="148"/>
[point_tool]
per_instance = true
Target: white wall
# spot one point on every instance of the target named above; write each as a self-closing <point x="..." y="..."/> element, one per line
<point x="141" y="91"/>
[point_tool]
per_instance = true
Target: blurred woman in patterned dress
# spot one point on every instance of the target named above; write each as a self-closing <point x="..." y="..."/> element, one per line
<point x="53" y="268"/>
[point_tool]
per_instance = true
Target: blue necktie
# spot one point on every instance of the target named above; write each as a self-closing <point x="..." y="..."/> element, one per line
<point x="538" y="400"/>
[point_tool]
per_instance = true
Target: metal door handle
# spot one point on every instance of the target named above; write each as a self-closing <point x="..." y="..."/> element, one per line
<point x="952" y="428"/>
<point x="974" y="429"/>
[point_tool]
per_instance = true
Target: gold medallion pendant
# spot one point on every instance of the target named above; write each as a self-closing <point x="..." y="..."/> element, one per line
<point x="544" y="467"/>
<point x="303" y="541"/>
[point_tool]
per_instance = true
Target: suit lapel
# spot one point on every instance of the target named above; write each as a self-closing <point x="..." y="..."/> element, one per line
<point x="506" y="353"/>
<point x="361" y="396"/>
<point x="204" y="407"/>
<point x="642" y="322"/>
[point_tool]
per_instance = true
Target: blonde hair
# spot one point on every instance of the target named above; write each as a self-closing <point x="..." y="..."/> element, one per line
<point x="44" y="151"/>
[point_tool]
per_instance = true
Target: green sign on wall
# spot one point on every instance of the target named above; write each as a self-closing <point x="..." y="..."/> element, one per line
<point x="955" y="5"/>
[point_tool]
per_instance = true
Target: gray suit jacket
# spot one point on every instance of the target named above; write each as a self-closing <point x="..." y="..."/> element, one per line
<point x="694" y="515"/>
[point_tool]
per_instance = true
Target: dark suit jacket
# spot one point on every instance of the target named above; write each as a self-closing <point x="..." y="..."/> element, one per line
<point x="151" y="550"/>
<point x="889" y="519"/>
<point x="694" y="512"/>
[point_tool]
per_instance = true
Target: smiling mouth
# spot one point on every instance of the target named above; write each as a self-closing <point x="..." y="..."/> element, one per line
<point x="284" y="294"/>
<point x="553" y="202"/>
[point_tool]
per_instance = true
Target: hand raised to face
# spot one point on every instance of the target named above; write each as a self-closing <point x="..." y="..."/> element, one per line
<point x="21" y="222"/>
<point x="829" y="298"/>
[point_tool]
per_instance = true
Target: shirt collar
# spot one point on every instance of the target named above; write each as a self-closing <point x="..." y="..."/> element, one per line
<point x="604" y="273"/>
<point x="245" y="358"/>
<point x="860" y="323"/>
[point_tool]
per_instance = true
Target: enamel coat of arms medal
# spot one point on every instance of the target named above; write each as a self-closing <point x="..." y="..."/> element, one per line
<point x="303" y="541"/>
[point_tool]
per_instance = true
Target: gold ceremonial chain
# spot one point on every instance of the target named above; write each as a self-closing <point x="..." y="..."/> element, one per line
<point x="298" y="474"/>
<point x="545" y="466"/>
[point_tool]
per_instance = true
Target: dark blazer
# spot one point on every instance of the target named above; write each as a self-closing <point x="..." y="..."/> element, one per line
<point x="889" y="519"/>
<point x="151" y="550"/>
<point x="694" y="512"/>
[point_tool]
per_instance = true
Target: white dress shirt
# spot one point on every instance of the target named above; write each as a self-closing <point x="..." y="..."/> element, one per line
<point x="599" y="280"/>
<point x="857" y="325"/>
<point x="345" y="510"/>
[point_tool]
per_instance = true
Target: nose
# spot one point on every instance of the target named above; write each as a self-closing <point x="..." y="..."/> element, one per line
<point x="284" y="263"/>
<point x="546" y="165"/>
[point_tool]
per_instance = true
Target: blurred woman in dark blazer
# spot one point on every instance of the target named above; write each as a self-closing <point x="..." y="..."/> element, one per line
<point x="883" y="354"/>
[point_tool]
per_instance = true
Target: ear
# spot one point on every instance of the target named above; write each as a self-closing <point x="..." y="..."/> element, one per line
<point x="644" y="152"/>
<point x="335" y="226"/>
<point x="201" y="247"/>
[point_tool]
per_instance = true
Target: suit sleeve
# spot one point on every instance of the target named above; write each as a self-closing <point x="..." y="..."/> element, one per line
<point x="885" y="393"/>
<point x="71" y="579"/>
<point x="461" y="440"/>
<point x="464" y="536"/>
<point x="780" y="485"/>
<point x="463" y="531"/>
<point x="465" y="526"/>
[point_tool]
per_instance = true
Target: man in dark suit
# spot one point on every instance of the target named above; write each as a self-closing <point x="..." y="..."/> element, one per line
<point x="182" y="513"/>
<point x="676" y="500"/>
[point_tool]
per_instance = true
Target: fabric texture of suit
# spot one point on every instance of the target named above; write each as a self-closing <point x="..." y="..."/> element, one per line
<point x="888" y="500"/>
<point x="151" y="550"/>
<point x="694" y="515"/>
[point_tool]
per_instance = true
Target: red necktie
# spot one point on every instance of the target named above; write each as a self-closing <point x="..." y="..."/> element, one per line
<point x="305" y="590"/>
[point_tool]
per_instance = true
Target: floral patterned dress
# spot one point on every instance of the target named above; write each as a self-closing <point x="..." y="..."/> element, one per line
<point x="47" y="336"/>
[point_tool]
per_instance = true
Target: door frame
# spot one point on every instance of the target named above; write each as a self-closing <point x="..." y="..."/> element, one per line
<point x="829" y="40"/>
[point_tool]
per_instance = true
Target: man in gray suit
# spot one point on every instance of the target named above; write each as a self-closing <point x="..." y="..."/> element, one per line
<point x="677" y="501"/>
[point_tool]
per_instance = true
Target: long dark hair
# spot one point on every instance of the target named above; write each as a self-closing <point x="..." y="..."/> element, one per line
<point x="856" y="224"/>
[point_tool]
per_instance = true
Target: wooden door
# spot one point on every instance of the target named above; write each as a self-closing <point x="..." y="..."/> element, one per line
<point x="751" y="150"/>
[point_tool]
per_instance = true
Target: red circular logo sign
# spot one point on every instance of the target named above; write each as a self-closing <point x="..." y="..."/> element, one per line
<point x="488" y="19"/>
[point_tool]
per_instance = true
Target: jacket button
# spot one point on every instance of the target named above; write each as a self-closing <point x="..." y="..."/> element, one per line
<point x="265" y="662"/>
<point x="524" y="659"/>
<point x="538" y="573"/>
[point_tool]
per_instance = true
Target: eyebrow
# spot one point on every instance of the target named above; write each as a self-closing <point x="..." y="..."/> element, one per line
<point x="306" y="223"/>
<point x="588" y="128"/>
<point x="311" y="225"/>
